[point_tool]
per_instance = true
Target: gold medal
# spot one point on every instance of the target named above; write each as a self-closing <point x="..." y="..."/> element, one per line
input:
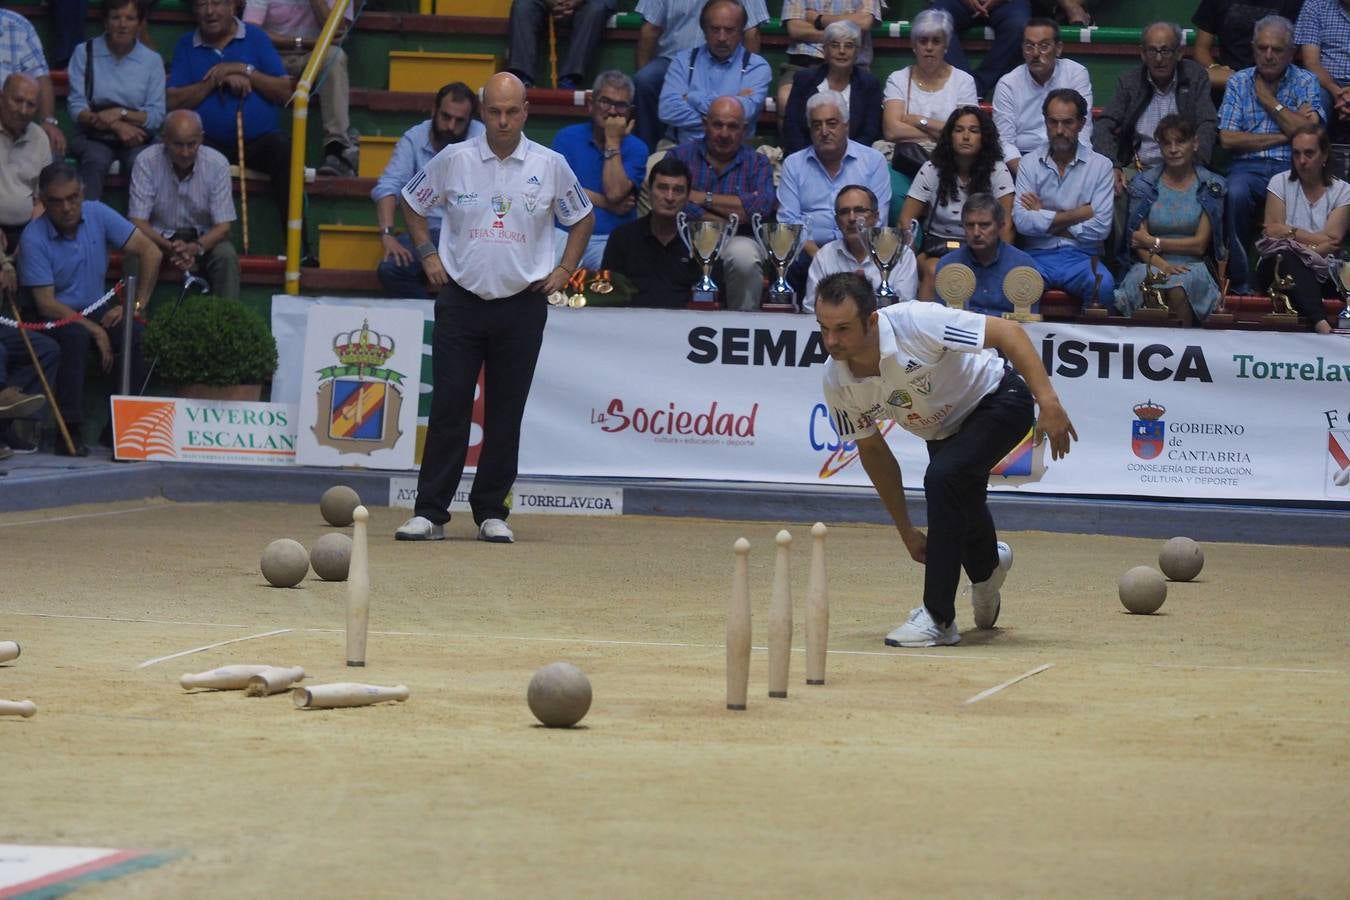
<point x="576" y="301"/>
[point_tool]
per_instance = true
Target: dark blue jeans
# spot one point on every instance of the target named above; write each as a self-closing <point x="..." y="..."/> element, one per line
<point x="647" y="84"/>
<point x="406" y="281"/>
<point x="16" y="366"/>
<point x="1004" y="54"/>
<point x="1247" y="181"/>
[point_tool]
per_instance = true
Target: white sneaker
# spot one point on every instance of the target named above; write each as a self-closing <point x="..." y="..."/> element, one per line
<point x="984" y="597"/>
<point x="920" y="630"/>
<point x="496" y="531"/>
<point x="419" y="528"/>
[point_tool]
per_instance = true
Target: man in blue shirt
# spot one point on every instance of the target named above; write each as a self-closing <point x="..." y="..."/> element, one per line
<point x="1065" y="201"/>
<point x="812" y="179"/>
<point x="608" y="161"/>
<point x="985" y="254"/>
<point x="722" y="67"/>
<point x="671" y="28"/>
<point x="63" y="259"/>
<point x="454" y="118"/>
<point x="226" y="66"/>
<point x="1262" y="107"/>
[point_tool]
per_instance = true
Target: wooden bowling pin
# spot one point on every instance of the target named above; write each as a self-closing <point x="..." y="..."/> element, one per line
<point x="780" y="620"/>
<point x="738" y="628"/>
<point x="25" y="708"/>
<point x="358" y="590"/>
<point x="344" y="694"/>
<point x="9" y="650"/>
<point x="226" y="678"/>
<point x="817" y="609"/>
<point x="273" y="680"/>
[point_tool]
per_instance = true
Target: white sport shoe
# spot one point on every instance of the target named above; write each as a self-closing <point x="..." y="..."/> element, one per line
<point x="920" y="630"/>
<point x="419" y="528"/>
<point x="984" y="597"/>
<point x="496" y="531"/>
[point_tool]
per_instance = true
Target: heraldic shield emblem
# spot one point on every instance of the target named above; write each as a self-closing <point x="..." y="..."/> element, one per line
<point x="362" y="397"/>
<point x="1149" y="431"/>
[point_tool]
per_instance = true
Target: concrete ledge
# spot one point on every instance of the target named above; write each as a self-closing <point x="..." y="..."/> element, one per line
<point x="41" y="482"/>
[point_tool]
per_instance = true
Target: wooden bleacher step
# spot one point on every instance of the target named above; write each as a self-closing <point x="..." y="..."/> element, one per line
<point x="349" y="247"/>
<point x="411" y="70"/>
<point x="375" y="153"/>
<point x="474" y="9"/>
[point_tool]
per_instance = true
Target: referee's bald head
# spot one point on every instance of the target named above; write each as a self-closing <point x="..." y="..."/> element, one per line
<point x="503" y="87"/>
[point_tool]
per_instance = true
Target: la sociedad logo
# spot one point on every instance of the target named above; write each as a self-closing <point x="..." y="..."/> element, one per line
<point x="672" y="422"/>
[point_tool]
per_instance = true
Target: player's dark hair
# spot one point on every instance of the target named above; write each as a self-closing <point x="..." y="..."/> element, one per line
<point x="459" y="92"/>
<point x="57" y="173"/>
<point x="834" y="289"/>
<point x="1042" y="22"/>
<point x="984" y="202"/>
<point x="1065" y="95"/>
<point x="871" y="195"/>
<point x="670" y="167"/>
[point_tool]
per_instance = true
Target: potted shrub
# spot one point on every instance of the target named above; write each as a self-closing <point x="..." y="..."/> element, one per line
<point x="212" y="349"/>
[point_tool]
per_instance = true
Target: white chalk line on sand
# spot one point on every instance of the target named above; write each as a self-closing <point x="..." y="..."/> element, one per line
<point x="92" y="515"/>
<point x="1007" y="684"/>
<point x="123" y="619"/>
<point x="1248" y="669"/>
<point x="160" y="659"/>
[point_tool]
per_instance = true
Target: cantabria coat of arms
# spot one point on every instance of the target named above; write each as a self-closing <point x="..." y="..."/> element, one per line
<point x="361" y="396"/>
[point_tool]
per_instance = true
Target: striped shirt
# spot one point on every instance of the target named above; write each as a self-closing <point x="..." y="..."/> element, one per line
<point x="807" y="10"/>
<point x="749" y="176"/>
<point x="1163" y="103"/>
<point x="20" y="49"/>
<point x="1326" y="23"/>
<point x="1241" y="111"/>
<point x="169" y="203"/>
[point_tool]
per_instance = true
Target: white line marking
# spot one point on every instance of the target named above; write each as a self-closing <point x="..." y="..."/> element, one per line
<point x="93" y="515"/>
<point x="160" y="659"/>
<point x="1248" y="669"/>
<point x="1007" y="684"/>
<point x="120" y="619"/>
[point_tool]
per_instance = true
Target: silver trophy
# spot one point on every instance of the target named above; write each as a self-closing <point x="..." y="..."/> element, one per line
<point x="781" y="243"/>
<point x="887" y="244"/>
<point x="705" y="239"/>
<point x="1340" y="276"/>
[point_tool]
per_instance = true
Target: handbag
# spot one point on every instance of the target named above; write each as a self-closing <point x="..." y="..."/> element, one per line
<point x="89" y="131"/>
<point x="935" y="246"/>
<point x="908" y="157"/>
<point x="1268" y="247"/>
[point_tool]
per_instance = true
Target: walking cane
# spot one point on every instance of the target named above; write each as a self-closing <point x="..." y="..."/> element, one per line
<point x="553" y="49"/>
<point x="189" y="281"/>
<point x="42" y="376"/>
<point x="243" y="187"/>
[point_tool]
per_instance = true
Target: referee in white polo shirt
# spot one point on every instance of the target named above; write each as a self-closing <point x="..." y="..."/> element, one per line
<point x="933" y="371"/>
<point x="499" y="194"/>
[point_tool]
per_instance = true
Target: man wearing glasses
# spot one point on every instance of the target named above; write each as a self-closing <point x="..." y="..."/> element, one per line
<point x="855" y="213"/>
<point x="608" y="161"/>
<point x="1020" y="95"/>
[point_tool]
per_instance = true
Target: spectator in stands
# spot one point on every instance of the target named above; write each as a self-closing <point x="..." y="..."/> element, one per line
<point x="454" y="118"/>
<point x="1230" y="24"/>
<point x="530" y="22"/>
<point x="1175" y="226"/>
<point x="1020" y="95"/>
<point x="967" y="160"/>
<point x="293" y="26"/>
<point x="1262" y="108"/>
<point x="116" y="97"/>
<point x="1008" y="19"/>
<point x="1323" y="35"/>
<point x="856" y="213"/>
<point x="921" y="97"/>
<point x="1064" y="203"/>
<point x="24" y="151"/>
<point x="839" y="72"/>
<point x="226" y="68"/>
<point x="607" y="159"/>
<point x="181" y="199"/>
<point x="987" y="251"/>
<point x="812" y="178"/>
<point x="63" y="259"/>
<point x="728" y="177"/>
<point x="21" y="51"/>
<point x="1307" y="214"/>
<point x="722" y="67"/>
<point x="670" y="29"/>
<point x="21" y="398"/>
<point x="807" y="23"/>
<point x="649" y="251"/>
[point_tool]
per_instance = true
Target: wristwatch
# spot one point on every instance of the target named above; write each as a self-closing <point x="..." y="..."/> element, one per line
<point x="122" y="113"/>
<point x="611" y="153"/>
<point x="248" y="69"/>
<point x="707" y="200"/>
<point x="1279" y="108"/>
<point x="387" y="230"/>
<point x="299" y="42"/>
<point x="51" y="120"/>
<point x="923" y="123"/>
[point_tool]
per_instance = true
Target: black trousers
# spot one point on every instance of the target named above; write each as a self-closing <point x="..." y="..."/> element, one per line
<point x="1307" y="292"/>
<point x="501" y="337"/>
<point x="270" y="154"/>
<point x="75" y="342"/>
<point x="960" y="527"/>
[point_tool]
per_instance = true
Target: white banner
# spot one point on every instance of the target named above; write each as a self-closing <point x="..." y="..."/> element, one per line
<point x="553" y="498"/>
<point x="360" y="387"/>
<point x="175" y="429"/>
<point x="1161" y="412"/>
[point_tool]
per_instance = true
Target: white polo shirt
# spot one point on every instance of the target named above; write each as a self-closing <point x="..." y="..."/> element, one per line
<point x="934" y="371"/>
<point x="497" y="214"/>
<point x="834" y="257"/>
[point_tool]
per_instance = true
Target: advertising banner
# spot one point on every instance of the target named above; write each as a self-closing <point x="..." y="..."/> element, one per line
<point x="175" y="429"/>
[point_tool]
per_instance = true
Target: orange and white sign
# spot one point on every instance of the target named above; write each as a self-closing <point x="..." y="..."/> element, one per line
<point x="175" y="429"/>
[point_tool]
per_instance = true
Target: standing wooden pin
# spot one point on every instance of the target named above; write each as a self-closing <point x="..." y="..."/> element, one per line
<point x="780" y="620"/>
<point x="738" y="628"/>
<point x="817" y="609"/>
<point x="358" y="590"/>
